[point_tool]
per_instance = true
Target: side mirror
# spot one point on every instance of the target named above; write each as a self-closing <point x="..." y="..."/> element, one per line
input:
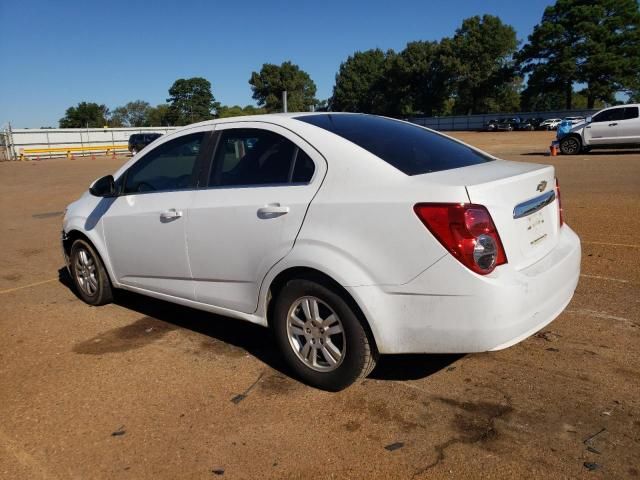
<point x="103" y="187"/>
<point x="588" y="119"/>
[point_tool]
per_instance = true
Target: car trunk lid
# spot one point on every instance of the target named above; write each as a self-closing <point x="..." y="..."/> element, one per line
<point x="520" y="197"/>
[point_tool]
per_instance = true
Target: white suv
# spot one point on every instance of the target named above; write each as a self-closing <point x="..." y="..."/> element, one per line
<point x="611" y="127"/>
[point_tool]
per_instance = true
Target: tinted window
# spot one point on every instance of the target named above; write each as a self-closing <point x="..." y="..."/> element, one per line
<point x="609" y="115"/>
<point x="630" y="112"/>
<point x="303" y="169"/>
<point x="258" y="157"/>
<point x="409" y="148"/>
<point x="167" y="167"/>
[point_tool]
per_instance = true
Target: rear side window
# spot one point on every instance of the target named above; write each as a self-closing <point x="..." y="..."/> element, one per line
<point x="411" y="149"/>
<point x="169" y="166"/>
<point x="303" y="169"/>
<point x="249" y="156"/>
<point x="630" y="112"/>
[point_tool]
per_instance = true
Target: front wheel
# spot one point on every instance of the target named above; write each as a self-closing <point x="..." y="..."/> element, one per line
<point x="570" y="146"/>
<point x="320" y="336"/>
<point x="89" y="275"/>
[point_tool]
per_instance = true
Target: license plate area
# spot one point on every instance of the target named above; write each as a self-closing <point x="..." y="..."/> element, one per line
<point x="537" y="230"/>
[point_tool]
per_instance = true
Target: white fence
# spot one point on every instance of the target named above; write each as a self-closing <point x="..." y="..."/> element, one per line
<point x="25" y="143"/>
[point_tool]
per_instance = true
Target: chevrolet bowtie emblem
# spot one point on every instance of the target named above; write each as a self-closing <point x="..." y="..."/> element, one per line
<point x="541" y="186"/>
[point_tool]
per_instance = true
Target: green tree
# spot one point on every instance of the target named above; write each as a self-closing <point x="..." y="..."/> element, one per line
<point x="420" y="78"/>
<point x="543" y="92"/>
<point x="595" y="42"/>
<point x="481" y="61"/>
<point x="580" y="101"/>
<point x="118" y="117"/>
<point x="268" y="85"/>
<point x="85" y="114"/>
<point x="133" y="114"/>
<point x="506" y="97"/>
<point x="362" y="82"/>
<point x="236" y="111"/>
<point x="158" y="116"/>
<point x="191" y="101"/>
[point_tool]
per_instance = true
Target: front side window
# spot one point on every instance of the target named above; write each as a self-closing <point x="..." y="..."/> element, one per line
<point x="169" y="166"/>
<point x="250" y="156"/>
<point x="610" y="115"/>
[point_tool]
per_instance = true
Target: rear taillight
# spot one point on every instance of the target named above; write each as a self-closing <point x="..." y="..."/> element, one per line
<point x="467" y="231"/>
<point x="560" y="212"/>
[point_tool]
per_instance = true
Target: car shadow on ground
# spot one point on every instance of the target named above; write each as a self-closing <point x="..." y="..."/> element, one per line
<point x="257" y="340"/>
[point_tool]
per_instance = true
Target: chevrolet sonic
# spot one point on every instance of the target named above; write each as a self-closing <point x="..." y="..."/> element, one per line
<point x="349" y="235"/>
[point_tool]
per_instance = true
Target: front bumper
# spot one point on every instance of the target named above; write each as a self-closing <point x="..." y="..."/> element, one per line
<point x="63" y="240"/>
<point x="449" y="309"/>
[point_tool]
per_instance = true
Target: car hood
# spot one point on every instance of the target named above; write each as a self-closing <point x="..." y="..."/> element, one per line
<point x="578" y="126"/>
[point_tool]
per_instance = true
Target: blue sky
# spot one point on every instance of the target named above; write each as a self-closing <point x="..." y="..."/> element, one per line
<point x="55" y="54"/>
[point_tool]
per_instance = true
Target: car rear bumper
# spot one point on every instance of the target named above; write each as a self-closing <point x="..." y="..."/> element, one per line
<point x="449" y="309"/>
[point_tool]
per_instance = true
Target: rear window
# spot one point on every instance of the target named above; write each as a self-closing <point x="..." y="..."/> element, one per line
<point x="630" y="112"/>
<point x="407" y="147"/>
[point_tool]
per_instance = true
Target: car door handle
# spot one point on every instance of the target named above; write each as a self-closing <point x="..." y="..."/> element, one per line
<point x="613" y="124"/>
<point x="170" y="214"/>
<point x="271" y="211"/>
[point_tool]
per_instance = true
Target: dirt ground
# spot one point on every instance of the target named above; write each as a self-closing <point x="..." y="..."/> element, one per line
<point x="145" y="389"/>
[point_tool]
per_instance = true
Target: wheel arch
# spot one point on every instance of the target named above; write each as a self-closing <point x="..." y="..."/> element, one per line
<point x="75" y="234"/>
<point x="309" y="273"/>
<point x="577" y="136"/>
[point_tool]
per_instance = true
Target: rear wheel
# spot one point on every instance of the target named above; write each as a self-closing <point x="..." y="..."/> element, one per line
<point x="570" y="146"/>
<point x="321" y="337"/>
<point x="89" y="275"/>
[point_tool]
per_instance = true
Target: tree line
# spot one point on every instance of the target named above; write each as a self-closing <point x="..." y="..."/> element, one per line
<point x="581" y="55"/>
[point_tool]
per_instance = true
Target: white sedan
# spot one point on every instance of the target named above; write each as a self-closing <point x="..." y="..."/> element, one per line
<point x="348" y="235"/>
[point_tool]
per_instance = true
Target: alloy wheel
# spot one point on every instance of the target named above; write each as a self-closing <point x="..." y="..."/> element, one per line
<point x="85" y="270"/>
<point x="316" y="334"/>
<point x="570" y="146"/>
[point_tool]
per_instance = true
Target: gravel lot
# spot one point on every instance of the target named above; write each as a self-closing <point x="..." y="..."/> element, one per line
<point x="145" y="389"/>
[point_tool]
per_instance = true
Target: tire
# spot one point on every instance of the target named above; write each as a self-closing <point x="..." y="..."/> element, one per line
<point x="329" y="354"/>
<point x="89" y="275"/>
<point x="570" y="145"/>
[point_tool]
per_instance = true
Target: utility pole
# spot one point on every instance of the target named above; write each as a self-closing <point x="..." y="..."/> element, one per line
<point x="284" y="101"/>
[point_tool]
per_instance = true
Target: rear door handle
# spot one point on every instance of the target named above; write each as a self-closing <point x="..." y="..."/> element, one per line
<point x="170" y="214"/>
<point x="612" y="124"/>
<point x="271" y="211"/>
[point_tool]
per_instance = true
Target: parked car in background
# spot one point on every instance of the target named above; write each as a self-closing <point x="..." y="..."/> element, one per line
<point x="609" y="128"/>
<point x="574" y="120"/>
<point x="530" y="124"/>
<point x="550" y="124"/>
<point x="490" y="126"/>
<point x="271" y="219"/>
<point x="138" y="141"/>
<point x="508" y="124"/>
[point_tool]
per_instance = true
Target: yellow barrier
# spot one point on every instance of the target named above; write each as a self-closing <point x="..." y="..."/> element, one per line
<point x="106" y="148"/>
